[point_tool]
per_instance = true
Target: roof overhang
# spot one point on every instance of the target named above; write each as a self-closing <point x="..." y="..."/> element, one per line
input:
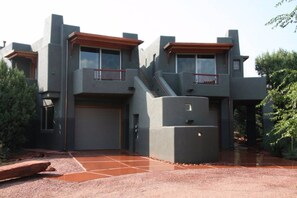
<point x="95" y="40"/>
<point x="23" y="54"/>
<point x="171" y="48"/>
<point x="245" y="58"/>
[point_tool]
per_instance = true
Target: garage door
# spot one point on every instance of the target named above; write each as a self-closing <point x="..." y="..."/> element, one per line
<point x="97" y="128"/>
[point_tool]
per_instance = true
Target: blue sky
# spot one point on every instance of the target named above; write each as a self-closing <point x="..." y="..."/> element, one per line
<point x="188" y="20"/>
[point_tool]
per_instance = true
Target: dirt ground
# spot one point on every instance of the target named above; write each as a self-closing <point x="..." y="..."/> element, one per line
<point x="220" y="182"/>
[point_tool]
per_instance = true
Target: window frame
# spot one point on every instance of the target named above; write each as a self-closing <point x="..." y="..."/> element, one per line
<point x="196" y="58"/>
<point x="99" y="53"/>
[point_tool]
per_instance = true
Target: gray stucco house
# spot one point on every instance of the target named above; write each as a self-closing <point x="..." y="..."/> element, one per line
<point x="173" y="101"/>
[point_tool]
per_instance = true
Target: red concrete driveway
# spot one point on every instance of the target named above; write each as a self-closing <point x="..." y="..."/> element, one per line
<point x="108" y="163"/>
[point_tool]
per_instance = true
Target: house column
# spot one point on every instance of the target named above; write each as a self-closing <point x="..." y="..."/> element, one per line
<point x="226" y="130"/>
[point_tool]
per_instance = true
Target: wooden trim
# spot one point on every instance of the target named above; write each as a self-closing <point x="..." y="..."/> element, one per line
<point x="95" y="40"/>
<point x="100" y="106"/>
<point x="25" y="54"/>
<point x="196" y="48"/>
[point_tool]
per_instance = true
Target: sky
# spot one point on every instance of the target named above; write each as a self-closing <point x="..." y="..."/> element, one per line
<point x="188" y="20"/>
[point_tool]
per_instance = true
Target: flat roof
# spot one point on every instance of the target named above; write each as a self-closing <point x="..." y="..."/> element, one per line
<point x="96" y="40"/>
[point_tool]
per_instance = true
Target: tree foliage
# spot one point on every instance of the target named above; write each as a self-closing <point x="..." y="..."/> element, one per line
<point x="283" y="20"/>
<point x="17" y="106"/>
<point x="268" y="63"/>
<point x="284" y="115"/>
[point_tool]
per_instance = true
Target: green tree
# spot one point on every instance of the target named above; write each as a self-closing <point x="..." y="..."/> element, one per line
<point x="17" y="107"/>
<point x="268" y="63"/>
<point x="280" y="69"/>
<point x="283" y="20"/>
<point x="284" y="115"/>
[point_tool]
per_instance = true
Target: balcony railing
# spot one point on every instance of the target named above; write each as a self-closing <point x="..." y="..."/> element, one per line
<point x="205" y="78"/>
<point x="109" y="74"/>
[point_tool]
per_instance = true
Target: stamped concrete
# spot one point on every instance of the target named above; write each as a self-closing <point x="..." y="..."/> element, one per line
<point x="109" y="163"/>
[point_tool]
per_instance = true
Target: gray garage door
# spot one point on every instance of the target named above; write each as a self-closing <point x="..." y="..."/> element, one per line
<point x="97" y="128"/>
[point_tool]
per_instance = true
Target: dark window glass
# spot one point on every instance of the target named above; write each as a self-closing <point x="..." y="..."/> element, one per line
<point x="47" y="113"/>
<point x="89" y="57"/>
<point x="110" y="59"/>
<point x="186" y="63"/>
<point x="50" y="117"/>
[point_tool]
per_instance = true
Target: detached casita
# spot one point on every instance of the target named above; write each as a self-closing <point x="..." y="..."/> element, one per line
<point x="173" y="101"/>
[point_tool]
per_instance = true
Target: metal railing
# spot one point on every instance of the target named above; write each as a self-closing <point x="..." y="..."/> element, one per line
<point x="206" y="78"/>
<point x="109" y="74"/>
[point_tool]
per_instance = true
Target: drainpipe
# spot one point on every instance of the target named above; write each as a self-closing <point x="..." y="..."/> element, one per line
<point x="66" y="98"/>
<point x="230" y="101"/>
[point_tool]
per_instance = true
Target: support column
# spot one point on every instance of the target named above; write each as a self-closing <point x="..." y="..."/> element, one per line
<point x="251" y="130"/>
<point x="226" y="133"/>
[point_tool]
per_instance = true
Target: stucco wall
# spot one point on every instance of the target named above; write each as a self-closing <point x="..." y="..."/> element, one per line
<point x="185" y="144"/>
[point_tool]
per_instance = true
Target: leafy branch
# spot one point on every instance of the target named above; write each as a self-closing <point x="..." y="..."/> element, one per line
<point x="285" y="19"/>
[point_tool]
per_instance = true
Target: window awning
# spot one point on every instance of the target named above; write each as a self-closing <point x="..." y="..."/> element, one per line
<point x="23" y="54"/>
<point x="95" y="40"/>
<point x="172" y="48"/>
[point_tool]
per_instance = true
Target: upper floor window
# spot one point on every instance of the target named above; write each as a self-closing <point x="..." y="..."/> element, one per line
<point x="236" y="64"/>
<point x="206" y="64"/>
<point x="100" y="58"/>
<point x="186" y="63"/>
<point x="203" y="66"/>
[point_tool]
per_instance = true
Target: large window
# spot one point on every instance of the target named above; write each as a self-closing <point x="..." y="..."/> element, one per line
<point x="89" y="58"/>
<point x="186" y="63"/>
<point x="47" y="115"/>
<point x="202" y="66"/>
<point x="106" y="62"/>
<point x="99" y="58"/>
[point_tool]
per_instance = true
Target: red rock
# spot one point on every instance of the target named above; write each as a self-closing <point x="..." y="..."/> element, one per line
<point x="22" y="169"/>
<point x="50" y="168"/>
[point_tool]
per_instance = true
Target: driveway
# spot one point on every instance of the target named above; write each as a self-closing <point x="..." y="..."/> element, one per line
<point x="108" y="163"/>
<point x="239" y="173"/>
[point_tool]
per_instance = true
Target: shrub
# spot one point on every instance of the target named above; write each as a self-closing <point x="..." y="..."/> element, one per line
<point x="17" y="107"/>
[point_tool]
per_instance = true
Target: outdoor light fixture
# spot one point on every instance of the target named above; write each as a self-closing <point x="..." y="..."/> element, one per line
<point x="131" y="88"/>
<point x="190" y="90"/>
<point x="189" y="122"/>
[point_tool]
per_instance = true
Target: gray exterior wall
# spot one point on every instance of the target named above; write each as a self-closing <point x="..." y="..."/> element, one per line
<point x="155" y="138"/>
<point x="175" y="121"/>
<point x="231" y="85"/>
<point x="84" y="82"/>
<point x="248" y="88"/>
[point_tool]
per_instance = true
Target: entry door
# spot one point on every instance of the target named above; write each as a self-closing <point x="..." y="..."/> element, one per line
<point x="97" y="128"/>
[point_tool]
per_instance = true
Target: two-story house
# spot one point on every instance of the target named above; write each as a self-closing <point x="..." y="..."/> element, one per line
<point x="173" y="101"/>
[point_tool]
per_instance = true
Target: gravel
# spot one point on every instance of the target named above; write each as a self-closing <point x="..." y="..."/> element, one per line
<point x="221" y="182"/>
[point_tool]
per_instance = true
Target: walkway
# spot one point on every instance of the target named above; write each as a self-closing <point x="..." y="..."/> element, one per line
<point x="107" y="163"/>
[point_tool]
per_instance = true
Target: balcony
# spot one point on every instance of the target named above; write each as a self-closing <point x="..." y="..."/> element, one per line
<point x="248" y="88"/>
<point x="209" y="85"/>
<point x="103" y="81"/>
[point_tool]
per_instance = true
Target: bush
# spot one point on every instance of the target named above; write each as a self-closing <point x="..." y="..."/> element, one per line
<point x="17" y="107"/>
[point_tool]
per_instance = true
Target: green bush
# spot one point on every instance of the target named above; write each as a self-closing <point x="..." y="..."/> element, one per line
<point x="17" y="107"/>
